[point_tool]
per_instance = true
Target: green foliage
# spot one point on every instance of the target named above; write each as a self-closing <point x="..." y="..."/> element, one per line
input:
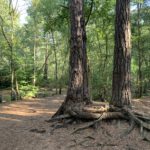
<point x="4" y="76"/>
<point x="27" y="90"/>
<point x="33" y="42"/>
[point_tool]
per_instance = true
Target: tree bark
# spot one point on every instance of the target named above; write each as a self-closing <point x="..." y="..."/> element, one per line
<point x="121" y="92"/>
<point x="78" y="91"/>
<point x="78" y="86"/>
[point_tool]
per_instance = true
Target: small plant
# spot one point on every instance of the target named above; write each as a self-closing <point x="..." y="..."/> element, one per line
<point x="27" y="90"/>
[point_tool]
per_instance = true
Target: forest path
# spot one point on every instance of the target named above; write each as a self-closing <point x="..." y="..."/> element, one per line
<point x="18" y="121"/>
<point x="23" y="127"/>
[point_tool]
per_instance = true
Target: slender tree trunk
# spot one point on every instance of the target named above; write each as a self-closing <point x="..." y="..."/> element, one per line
<point x="121" y="92"/>
<point x="45" y="76"/>
<point x="56" y="65"/>
<point x="34" y="59"/>
<point x="16" y="86"/>
<point x="106" y="49"/>
<point x="84" y="61"/>
<point x="10" y="42"/>
<point x="78" y="91"/>
<point x="13" y="91"/>
<point x="140" y="87"/>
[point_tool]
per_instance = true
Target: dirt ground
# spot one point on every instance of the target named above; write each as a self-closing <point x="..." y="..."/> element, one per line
<point x="23" y="127"/>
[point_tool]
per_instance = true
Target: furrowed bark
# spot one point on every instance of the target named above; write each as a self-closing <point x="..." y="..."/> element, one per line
<point x="121" y="92"/>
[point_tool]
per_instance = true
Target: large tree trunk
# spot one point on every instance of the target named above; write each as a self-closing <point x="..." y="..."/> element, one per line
<point x="121" y="92"/>
<point x="78" y="84"/>
<point x="77" y="99"/>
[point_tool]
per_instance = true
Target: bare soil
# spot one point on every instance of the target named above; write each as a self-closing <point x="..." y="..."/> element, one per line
<point x="23" y="126"/>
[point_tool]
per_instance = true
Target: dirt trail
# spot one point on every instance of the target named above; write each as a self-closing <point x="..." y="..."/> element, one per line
<point x="23" y="127"/>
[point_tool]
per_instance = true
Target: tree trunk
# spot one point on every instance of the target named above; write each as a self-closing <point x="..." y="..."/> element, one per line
<point x="18" y="96"/>
<point x="34" y="59"/>
<point x="12" y="67"/>
<point x="121" y="92"/>
<point x="56" y="65"/>
<point x="140" y="87"/>
<point x="45" y="74"/>
<point x="78" y="84"/>
<point x="10" y="42"/>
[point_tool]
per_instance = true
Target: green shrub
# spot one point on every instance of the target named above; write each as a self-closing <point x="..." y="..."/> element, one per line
<point x="27" y="90"/>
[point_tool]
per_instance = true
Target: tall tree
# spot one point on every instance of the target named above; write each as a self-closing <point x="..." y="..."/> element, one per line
<point x="121" y="92"/>
<point x="10" y="38"/>
<point x="56" y="62"/>
<point x="78" y="83"/>
<point x="45" y="73"/>
<point x="140" y="86"/>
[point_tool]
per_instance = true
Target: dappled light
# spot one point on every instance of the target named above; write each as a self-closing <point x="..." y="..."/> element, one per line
<point x="28" y="119"/>
<point x="9" y="119"/>
<point x="26" y="108"/>
<point x="74" y="75"/>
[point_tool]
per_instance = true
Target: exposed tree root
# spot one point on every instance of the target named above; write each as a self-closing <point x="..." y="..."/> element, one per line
<point x="97" y="111"/>
<point x="38" y="131"/>
<point x="89" y="124"/>
<point x="59" y="118"/>
<point x="144" y="118"/>
<point x="141" y="115"/>
<point x="128" y="131"/>
<point x="146" y="139"/>
<point x="105" y="115"/>
<point x="136" y="119"/>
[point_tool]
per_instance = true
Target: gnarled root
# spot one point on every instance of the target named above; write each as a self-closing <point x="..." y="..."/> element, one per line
<point x="105" y="115"/>
<point x="58" y="118"/>
<point x="97" y="111"/>
<point x="136" y="119"/>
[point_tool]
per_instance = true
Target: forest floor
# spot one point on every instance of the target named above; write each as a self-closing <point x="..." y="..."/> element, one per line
<point x="23" y="126"/>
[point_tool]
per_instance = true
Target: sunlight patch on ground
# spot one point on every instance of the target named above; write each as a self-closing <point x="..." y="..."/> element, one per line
<point x="56" y="101"/>
<point x="9" y="119"/>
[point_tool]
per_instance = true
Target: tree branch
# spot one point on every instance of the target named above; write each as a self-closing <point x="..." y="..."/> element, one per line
<point x="4" y="34"/>
<point x="64" y="6"/>
<point x="91" y="8"/>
